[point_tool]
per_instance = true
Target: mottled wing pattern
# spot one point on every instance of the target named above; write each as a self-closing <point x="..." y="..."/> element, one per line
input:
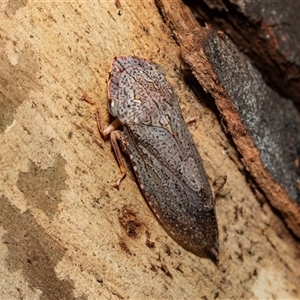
<point x="160" y="160"/>
<point x="164" y="157"/>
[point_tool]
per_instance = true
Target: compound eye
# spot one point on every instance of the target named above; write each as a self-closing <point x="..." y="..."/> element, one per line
<point x="161" y="70"/>
<point x="113" y="107"/>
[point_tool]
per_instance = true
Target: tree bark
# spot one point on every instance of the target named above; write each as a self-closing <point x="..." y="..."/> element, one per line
<point x="65" y="231"/>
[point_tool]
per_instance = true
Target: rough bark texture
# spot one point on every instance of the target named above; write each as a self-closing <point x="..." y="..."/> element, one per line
<point x="65" y="232"/>
<point x="268" y="31"/>
<point x="264" y="126"/>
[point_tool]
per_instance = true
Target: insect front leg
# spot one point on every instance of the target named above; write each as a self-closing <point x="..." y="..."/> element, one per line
<point x="110" y="128"/>
<point x="115" y="136"/>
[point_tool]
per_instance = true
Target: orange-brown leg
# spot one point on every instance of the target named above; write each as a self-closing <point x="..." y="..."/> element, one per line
<point x="115" y="136"/>
<point x="110" y="128"/>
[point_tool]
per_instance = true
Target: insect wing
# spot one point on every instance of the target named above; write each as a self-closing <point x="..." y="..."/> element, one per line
<point x="164" y="157"/>
<point x="172" y="178"/>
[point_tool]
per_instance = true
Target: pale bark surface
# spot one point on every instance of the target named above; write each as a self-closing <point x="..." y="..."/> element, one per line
<point x="65" y="232"/>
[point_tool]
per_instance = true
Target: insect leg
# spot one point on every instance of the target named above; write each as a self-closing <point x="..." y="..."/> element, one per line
<point x="110" y="128"/>
<point x="116" y="136"/>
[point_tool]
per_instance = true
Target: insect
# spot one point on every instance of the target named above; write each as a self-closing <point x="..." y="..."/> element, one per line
<point x="165" y="160"/>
